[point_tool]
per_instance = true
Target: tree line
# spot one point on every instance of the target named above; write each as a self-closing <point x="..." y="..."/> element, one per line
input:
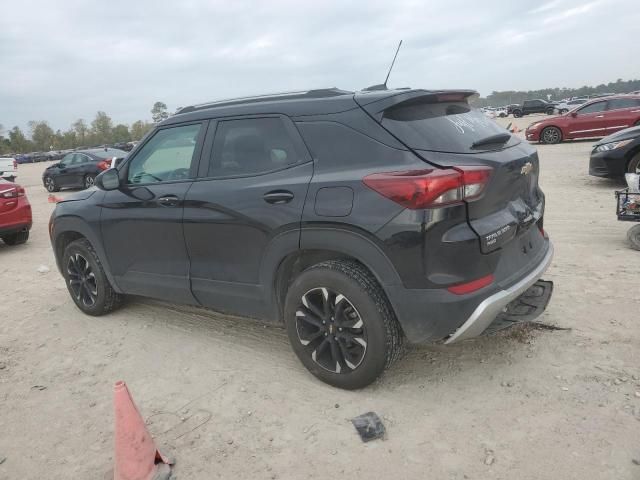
<point x="101" y="131"/>
<point x="500" y="99"/>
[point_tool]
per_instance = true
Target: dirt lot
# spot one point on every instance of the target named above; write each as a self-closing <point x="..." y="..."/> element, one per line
<point x="230" y="400"/>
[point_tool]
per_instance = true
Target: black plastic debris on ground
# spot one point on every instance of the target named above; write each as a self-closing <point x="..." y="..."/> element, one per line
<point x="369" y="426"/>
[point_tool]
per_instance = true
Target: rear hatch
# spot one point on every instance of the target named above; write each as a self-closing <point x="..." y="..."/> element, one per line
<point x="442" y="129"/>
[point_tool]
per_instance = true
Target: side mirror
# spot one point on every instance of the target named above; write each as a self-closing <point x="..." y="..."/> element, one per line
<point x="108" y="180"/>
<point x="574" y="114"/>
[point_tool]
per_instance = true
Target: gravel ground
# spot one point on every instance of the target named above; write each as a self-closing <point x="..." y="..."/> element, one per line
<point x="228" y="398"/>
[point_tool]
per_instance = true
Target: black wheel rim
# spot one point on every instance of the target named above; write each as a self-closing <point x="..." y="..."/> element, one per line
<point x="88" y="182"/>
<point x="331" y="330"/>
<point x="551" y="135"/>
<point x="50" y="185"/>
<point x="82" y="280"/>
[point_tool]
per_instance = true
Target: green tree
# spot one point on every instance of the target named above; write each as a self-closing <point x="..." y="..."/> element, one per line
<point x="159" y="112"/>
<point x="19" y="142"/>
<point x="81" y="130"/>
<point x="121" y="133"/>
<point x="102" y="128"/>
<point x="42" y="135"/>
<point x="139" y="129"/>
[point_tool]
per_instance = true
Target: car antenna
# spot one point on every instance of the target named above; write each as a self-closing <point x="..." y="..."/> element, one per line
<point x="383" y="86"/>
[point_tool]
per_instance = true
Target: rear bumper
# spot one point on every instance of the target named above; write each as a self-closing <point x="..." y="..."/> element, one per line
<point x="16" y="220"/>
<point x="489" y="308"/>
<point x="428" y="315"/>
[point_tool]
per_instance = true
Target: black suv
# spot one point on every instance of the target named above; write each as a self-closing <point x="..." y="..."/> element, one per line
<point x="533" y="106"/>
<point x="357" y="220"/>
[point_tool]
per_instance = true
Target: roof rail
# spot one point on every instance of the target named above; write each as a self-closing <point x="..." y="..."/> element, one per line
<point x="317" y="93"/>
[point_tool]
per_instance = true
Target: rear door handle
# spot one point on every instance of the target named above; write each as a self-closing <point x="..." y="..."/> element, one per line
<point x="169" y="201"/>
<point x="278" y="196"/>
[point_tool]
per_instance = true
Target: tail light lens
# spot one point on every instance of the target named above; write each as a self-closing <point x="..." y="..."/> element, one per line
<point x="13" y="192"/>
<point x="431" y="188"/>
<point x="105" y="164"/>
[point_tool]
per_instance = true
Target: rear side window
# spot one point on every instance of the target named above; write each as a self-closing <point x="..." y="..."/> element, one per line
<point x="618" y="103"/>
<point x="250" y="147"/>
<point x="443" y="127"/>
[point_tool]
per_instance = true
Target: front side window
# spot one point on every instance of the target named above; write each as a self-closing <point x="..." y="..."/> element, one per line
<point x="593" y="108"/>
<point x="250" y="147"/>
<point x="167" y="156"/>
<point x="66" y="161"/>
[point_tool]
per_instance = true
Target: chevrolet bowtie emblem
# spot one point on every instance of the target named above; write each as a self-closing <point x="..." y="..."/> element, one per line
<point x="526" y="169"/>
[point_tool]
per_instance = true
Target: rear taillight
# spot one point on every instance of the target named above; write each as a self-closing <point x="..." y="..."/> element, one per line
<point x="431" y="188"/>
<point x="105" y="164"/>
<point x="13" y="192"/>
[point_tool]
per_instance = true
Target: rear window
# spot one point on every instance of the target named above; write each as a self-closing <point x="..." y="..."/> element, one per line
<point x="443" y="127"/>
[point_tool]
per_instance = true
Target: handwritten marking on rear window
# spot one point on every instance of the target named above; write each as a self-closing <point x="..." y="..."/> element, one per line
<point x="468" y="122"/>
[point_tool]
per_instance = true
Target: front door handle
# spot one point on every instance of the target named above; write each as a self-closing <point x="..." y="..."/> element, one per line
<point x="169" y="201"/>
<point x="599" y="116"/>
<point x="278" y="196"/>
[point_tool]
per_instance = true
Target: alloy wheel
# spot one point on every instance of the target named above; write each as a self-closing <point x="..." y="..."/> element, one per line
<point x="49" y="184"/>
<point x="82" y="280"/>
<point x="332" y="330"/>
<point x="89" y="181"/>
<point x="551" y="135"/>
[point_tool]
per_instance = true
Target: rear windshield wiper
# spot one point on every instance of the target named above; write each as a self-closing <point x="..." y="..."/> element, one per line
<point x="497" y="139"/>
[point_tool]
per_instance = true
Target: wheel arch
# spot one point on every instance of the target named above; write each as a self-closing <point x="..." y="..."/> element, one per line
<point x="282" y="263"/>
<point x="70" y="228"/>
<point x="631" y="154"/>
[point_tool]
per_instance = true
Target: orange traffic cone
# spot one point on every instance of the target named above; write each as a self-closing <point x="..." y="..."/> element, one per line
<point x="53" y="199"/>
<point x="136" y="454"/>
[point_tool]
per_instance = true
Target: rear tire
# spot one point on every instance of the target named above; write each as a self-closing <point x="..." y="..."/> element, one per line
<point x="89" y="181"/>
<point x="517" y="114"/>
<point x="551" y="135"/>
<point x="563" y="111"/>
<point x="341" y="325"/>
<point x="549" y="111"/>
<point x="633" y="235"/>
<point x="86" y="281"/>
<point x="17" y="238"/>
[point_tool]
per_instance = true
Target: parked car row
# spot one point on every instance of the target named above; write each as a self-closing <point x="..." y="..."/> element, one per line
<point x="595" y="118"/>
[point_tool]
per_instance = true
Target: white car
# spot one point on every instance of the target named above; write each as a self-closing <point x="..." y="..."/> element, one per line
<point x="8" y="168"/>
<point x="566" y="106"/>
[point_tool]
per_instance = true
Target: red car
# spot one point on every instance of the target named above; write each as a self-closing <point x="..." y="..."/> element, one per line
<point x="15" y="213"/>
<point x="597" y="118"/>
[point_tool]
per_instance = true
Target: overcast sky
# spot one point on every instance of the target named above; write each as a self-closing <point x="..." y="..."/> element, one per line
<point x="65" y="59"/>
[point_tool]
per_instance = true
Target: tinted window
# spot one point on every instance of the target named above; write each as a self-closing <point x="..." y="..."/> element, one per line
<point x="593" y="108"/>
<point x="250" y="147"/>
<point x="166" y="156"/>
<point x="443" y="127"/>
<point x="617" y="103"/>
<point x="109" y="153"/>
<point x="67" y="159"/>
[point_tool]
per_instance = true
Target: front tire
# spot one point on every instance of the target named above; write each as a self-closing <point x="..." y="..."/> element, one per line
<point x="634" y="164"/>
<point x="563" y="111"/>
<point x="633" y="235"/>
<point x="17" y="238"/>
<point x="340" y="324"/>
<point x="551" y="135"/>
<point x="86" y="281"/>
<point x="517" y="114"/>
<point x="50" y="185"/>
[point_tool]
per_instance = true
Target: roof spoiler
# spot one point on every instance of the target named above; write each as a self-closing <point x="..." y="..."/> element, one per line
<point x="376" y="106"/>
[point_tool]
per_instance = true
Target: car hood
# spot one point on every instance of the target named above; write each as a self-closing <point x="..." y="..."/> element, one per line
<point x="626" y="134"/>
<point x="81" y="195"/>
